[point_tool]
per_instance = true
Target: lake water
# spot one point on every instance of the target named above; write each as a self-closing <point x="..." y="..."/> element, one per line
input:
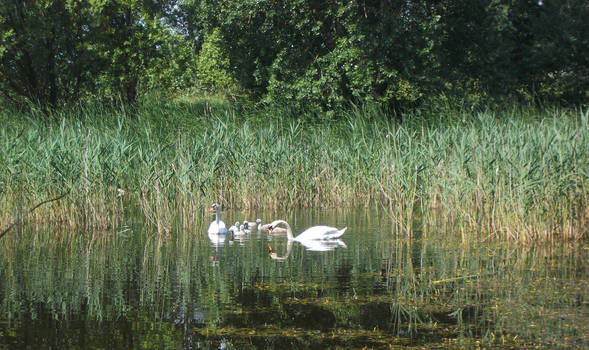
<point x="132" y="288"/>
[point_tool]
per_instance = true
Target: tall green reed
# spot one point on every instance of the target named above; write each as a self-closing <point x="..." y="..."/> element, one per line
<point x="517" y="174"/>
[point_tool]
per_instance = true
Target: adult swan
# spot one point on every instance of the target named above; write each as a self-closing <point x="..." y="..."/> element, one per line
<point x="311" y="234"/>
<point x="217" y="227"/>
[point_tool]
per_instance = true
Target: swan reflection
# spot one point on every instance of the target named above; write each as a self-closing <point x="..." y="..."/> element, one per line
<point x="312" y="246"/>
<point x="323" y="246"/>
<point x="217" y="240"/>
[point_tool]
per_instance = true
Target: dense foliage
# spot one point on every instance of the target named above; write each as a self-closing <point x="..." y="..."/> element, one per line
<point x="312" y="55"/>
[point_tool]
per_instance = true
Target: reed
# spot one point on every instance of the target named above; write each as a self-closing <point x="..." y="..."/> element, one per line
<point x="517" y="174"/>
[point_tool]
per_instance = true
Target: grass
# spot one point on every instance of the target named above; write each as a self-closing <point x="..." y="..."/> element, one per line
<point x="518" y="174"/>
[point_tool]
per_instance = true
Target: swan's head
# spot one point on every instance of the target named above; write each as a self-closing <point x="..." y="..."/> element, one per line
<point x="274" y="225"/>
<point x="258" y="221"/>
<point x="237" y="224"/>
<point x="214" y="208"/>
<point x="246" y="224"/>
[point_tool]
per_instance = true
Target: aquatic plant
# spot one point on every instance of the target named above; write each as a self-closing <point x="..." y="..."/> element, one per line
<point x="518" y="174"/>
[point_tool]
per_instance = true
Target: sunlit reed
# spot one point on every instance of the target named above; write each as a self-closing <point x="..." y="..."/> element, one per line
<point x="518" y="175"/>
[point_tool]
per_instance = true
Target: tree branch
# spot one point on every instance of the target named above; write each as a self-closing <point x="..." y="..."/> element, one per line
<point x="17" y="221"/>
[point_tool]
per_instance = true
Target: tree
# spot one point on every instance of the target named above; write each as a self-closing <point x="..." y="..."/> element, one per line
<point x="213" y="66"/>
<point x="58" y="51"/>
<point x="45" y="57"/>
<point x="324" y="55"/>
<point x="530" y="49"/>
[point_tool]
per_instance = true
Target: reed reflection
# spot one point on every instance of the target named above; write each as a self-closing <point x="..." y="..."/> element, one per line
<point x="177" y="291"/>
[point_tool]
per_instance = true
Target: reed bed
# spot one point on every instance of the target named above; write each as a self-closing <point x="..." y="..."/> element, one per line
<point x="519" y="174"/>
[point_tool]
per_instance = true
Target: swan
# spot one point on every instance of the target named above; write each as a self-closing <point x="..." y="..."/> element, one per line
<point x="312" y="233"/>
<point x="250" y="224"/>
<point x="235" y="228"/>
<point x="261" y="227"/>
<point x="217" y="226"/>
<point x="244" y="228"/>
<point x="264" y="228"/>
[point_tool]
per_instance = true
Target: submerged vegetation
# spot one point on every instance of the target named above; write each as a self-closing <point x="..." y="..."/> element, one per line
<point x="518" y="174"/>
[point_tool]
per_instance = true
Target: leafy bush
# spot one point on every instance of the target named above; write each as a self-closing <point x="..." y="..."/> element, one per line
<point x="213" y="66"/>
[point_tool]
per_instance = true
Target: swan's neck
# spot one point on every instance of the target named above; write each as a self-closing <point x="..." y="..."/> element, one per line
<point x="217" y="216"/>
<point x="288" y="231"/>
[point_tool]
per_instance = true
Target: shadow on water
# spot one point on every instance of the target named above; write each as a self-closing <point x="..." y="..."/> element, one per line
<point x="132" y="288"/>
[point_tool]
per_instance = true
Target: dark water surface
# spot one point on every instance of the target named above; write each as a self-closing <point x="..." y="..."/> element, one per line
<point x="134" y="288"/>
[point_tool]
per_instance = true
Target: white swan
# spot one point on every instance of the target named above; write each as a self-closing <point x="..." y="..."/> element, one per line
<point x="312" y="233"/>
<point x="217" y="226"/>
<point x="250" y="224"/>
<point x="262" y="228"/>
<point x="235" y="228"/>
<point x="247" y="229"/>
<point x="243" y="230"/>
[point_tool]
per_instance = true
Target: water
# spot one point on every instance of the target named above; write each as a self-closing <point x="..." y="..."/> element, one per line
<point x="134" y="288"/>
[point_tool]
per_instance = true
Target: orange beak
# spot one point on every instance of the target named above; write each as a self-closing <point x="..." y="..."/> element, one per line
<point x="269" y="248"/>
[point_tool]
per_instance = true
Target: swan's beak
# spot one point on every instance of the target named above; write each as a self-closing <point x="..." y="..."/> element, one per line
<point x="269" y="248"/>
<point x="270" y="229"/>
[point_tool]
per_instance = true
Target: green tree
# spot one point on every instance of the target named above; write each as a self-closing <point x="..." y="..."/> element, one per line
<point x="44" y="51"/>
<point x="322" y="55"/>
<point x="309" y="54"/>
<point x="137" y="42"/>
<point x="213" y="66"/>
<point x="531" y="49"/>
<point x="57" y="51"/>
